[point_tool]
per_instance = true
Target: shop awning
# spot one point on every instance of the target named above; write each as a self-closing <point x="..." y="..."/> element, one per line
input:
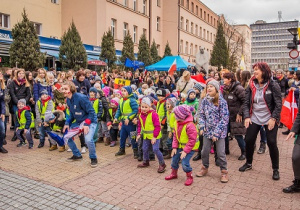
<point x="96" y="63"/>
<point x="52" y="53"/>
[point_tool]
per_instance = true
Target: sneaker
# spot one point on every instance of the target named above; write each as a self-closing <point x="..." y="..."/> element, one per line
<point x="53" y="147"/>
<point x="224" y="176"/>
<point x="30" y="147"/>
<point x="112" y="144"/>
<point x="69" y="150"/>
<point x="62" y="149"/>
<point x="2" y="150"/>
<point x="22" y="143"/>
<point x="212" y="151"/>
<point x="276" y="175"/>
<point x="83" y="150"/>
<point x="94" y="162"/>
<point x="262" y="148"/>
<point x="74" y="158"/>
<point x="245" y="167"/>
<point x="41" y="145"/>
<point x="36" y="136"/>
<point x="128" y="145"/>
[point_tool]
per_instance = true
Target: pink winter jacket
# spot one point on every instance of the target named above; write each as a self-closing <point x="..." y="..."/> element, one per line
<point x="155" y="120"/>
<point x="191" y="131"/>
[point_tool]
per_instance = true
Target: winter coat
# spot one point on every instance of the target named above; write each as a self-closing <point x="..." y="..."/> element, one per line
<point x="214" y="119"/>
<point x="18" y="91"/>
<point x="27" y="116"/>
<point x="82" y="87"/>
<point x="2" y="102"/>
<point x="155" y="121"/>
<point x="283" y="84"/>
<point x="296" y="85"/>
<point x="182" y="83"/>
<point x="170" y="87"/>
<point x="7" y="100"/>
<point x="194" y="104"/>
<point x="134" y="106"/>
<point x="191" y="131"/>
<point x="38" y="86"/>
<point x="272" y="96"/>
<point x="38" y="110"/>
<point x="105" y="106"/>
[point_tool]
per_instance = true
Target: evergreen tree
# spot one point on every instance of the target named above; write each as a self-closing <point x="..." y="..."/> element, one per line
<point x="154" y="53"/>
<point x="128" y="48"/>
<point x="220" y="53"/>
<point x="25" y="48"/>
<point x="144" y="54"/>
<point x="72" y="53"/>
<point x="167" y="50"/>
<point x="108" y="50"/>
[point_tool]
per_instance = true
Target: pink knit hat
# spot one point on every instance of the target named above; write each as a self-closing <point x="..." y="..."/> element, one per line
<point x="183" y="111"/>
<point x="117" y="91"/>
<point x="115" y="101"/>
<point x="106" y="91"/>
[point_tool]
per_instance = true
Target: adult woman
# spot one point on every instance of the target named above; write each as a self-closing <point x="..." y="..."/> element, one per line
<point x="169" y="84"/>
<point x="19" y="88"/>
<point x="41" y="83"/>
<point x="262" y="107"/>
<point x="81" y="83"/>
<point x="185" y="83"/>
<point x="217" y="76"/>
<point x="136" y="79"/>
<point x="2" y="114"/>
<point x="234" y="94"/>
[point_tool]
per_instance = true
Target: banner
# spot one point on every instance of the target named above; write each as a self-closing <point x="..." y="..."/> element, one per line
<point x="289" y="110"/>
<point x="119" y="83"/>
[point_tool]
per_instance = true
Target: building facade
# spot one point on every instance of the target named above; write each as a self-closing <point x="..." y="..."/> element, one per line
<point x="269" y="43"/>
<point x="186" y="25"/>
<point x="246" y="34"/>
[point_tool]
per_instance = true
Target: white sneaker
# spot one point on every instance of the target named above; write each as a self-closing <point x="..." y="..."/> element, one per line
<point x="83" y="150"/>
<point x="69" y="150"/>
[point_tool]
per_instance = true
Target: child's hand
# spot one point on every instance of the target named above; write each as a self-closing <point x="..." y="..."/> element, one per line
<point x="183" y="155"/>
<point x="170" y="134"/>
<point x="25" y="131"/>
<point x="134" y="121"/>
<point x="46" y="124"/>
<point x="201" y="132"/>
<point x="17" y="129"/>
<point x="40" y="124"/>
<point x="138" y="138"/>
<point x="214" y="139"/>
<point x="153" y="140"/>
<point x="174" y="151"/>
<point x="126" y="122"/>
<point x="291" y="135"/>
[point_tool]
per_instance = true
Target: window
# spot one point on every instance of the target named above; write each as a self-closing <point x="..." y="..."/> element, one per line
<point x="204" y="15"/>
<point x="192" y="7"/>
<point x="211" y="37"/>
<point x="158" y="23"/>
<point x="125" y="30"/>
<point x="54" y="1"/>
<point x="201" y="13"/>
<point x="182" y="3"/>
<point x="126" y="3"/>
<point x="191" y="49"/>
<point x="196" y="49"/>
<point x="214" y="21"/>
<point x="187" y="25"/>
<point x="200" y="32"/>
<point x="211" y="20"/>
<point x="207" y="17"/>
<point x="188" y="4"/>
<point x="181" y="22"/>
<point x="135" y="34"/>
<point x="38" y="28"/>
<point x="197" y="12"/>
<point x="4" y="21"/>
<point x="192" y="27"/>
<point x="144" y="7"/>
<point x="181" y="46"/>
<point x="186" y="48"/>
<point x="134" y="5"/>
<point x="145" y="31"/>
<point x="196" y="31"/>
<point x="204" y="33"/>
<point x="207" y="37"/>
<point x="113" y="27"/>
<point x="158" y="3"/>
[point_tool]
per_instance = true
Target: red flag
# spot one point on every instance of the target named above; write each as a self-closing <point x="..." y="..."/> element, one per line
<point x="289" y="110"/>
<point x="199" y="78"/>
<point x="173" y="68"/>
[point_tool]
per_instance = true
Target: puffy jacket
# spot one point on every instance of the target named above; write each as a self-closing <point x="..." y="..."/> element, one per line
<point x="272" y="96"/>
<point x="105" y="116"/>
<point x="283" y="84"/>
<point x="18" y="92"/>
<point x="82" y="87"/>
<point x="235" y="97"/>
<point x="80" y="110"/>
<point x="38" y="87"/>
<point x="134" y="106"/>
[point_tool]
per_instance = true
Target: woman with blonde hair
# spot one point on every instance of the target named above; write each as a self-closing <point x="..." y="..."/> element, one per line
<point x="61" y="77"/>
<point x="41" y="82"/>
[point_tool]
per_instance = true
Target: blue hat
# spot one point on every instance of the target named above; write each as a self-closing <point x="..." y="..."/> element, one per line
<point x="191" y="91"/>
<point x="42" y="92"/>
<point x="140" y="90"/>
<point x="128" y="89"/>
<point x="93" y="89"/>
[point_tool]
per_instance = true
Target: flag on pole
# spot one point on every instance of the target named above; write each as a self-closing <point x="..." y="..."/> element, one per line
<point x="173" y="68"/>
<point x="242" y="63"/>
<point x="199" y="78"/>
<point x="289" y="110"/>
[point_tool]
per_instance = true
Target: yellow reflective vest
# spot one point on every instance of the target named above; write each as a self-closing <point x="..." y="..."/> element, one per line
<point x="148" y="128"/>
<point x="96" y="106"/>
<point x="160" y="109"/>
<point x="43" y="109"/>
<point x="171" y="120"/>
<point x="125" y="108"/>
<point x="22" y="120"/>
<point x="183" y="140"/>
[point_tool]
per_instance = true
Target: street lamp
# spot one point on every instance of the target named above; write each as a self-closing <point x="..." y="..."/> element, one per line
<point x="294" y="32"/>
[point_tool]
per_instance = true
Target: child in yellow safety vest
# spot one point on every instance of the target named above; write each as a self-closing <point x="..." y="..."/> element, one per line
<point x="97" y="105"/>
<point x="171" y="103"/>
<point x="113" y="127"/>
<point x="24" y="123"/>
<point x="149" y="126"/>
<point x="43" y="105"/>
<point x="185" y="141"/>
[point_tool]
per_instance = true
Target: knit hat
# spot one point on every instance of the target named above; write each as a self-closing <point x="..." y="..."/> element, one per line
<point x="97" y="78"/>
<point x="147" y="101"/>
<point x="148" y="91"/>
<point x="128" y="89"/>
<point x="94" y="90"/>
<point x="198" y="86"/>
<point x="133" y="87"/>
<point x="94" y="73"/>
<point x="183" y="111"/>
<point x="191" y="91"/>
<point x="44" y="92"/>
<point x="117" y="91"/>
<point x="139" y="90"/>
<point x="23" y="101"/>
<point x="214" y="83"/>
<point x="161" y="92"/>
<point x="106" y="91"/>
<point x="115" y="101"/>
<point x="172" y="101"/>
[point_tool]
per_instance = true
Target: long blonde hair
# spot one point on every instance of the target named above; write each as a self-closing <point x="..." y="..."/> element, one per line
<point x="38" y="76"/>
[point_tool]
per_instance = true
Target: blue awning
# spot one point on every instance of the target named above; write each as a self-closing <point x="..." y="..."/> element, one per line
<point x="52" y="53"/>
<point x="93" y="57"/>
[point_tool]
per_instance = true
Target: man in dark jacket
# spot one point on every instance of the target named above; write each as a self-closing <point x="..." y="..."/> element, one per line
<point x="282" y="81"/>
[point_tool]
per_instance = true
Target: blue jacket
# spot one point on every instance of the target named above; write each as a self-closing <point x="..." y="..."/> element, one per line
<point x="2" y="101"/>
<point x="82" y="87"/>
<point x="100" y="108"/>
<point x="81" y="110"/>
<point x="27" y="116"/>
<point x="38" y="87"/>
<point x="134" y="106"/>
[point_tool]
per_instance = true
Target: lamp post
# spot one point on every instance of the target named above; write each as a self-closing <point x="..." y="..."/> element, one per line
<point x="294" y="32"/>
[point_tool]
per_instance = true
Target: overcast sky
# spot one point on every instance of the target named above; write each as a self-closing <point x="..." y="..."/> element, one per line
<point x="248" y="11"/>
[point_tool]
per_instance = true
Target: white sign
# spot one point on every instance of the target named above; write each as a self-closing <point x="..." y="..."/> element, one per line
<point x="4" y="36"/>
<point x="293" y="65"/>
<point x="294" y="54"/>
<point x="293" y="61"/>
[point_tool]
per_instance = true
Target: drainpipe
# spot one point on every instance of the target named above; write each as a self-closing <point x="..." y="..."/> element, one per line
<point x="178" y="46"/>
<point x="150" y="18"/>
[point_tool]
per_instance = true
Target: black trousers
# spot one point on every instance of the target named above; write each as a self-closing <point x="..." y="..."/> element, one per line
<point x="250" y="139"/>
<point x="296" y="161"/>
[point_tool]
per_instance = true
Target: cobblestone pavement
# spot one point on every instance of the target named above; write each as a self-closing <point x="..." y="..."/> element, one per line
<point x="117" y="180"/>
<point x="18" y="192"/>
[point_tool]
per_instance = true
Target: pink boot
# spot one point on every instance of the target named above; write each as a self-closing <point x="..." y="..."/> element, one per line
<point x="189" y="179"/>
<point x="212" y="151"/>
<point x="173" y="174"/>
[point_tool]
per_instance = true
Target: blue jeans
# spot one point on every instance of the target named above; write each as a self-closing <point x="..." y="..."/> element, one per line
<point x="263" y="135"/>
<point x="185" y="162"/>
<point x="42" y="131"/>
<point x="241" y="142"/>
<point x="2" y="132"/>
<point x="95" y="137"/>
<point x="88" y="140"/>
<point x="169" y="142"/>
<point x="128" y="131"/>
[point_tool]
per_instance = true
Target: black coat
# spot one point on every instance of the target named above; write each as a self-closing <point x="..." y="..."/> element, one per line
<point x="82" y="87"/>
<point x="283" y="84"/>
<point x="272" y="96"/>
<point x="18" y="92"/>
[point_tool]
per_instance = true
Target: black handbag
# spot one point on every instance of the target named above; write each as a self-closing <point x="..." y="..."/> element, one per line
<point x="237" y="128"/>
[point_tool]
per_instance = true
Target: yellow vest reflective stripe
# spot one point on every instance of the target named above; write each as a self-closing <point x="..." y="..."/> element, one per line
<point x="148" y="128"/>
<point x="171" y="120"/>
<point x="68" y="114"/>
<point x="56" y="128"/>
<point x="183" y="140"/>
<point x="160" y="110"/>
<point x="22" y="120"/>
<point x="111" y="113"/>
<point x="96" y="106"/>
<point x="125" y="108"/>
<point x="43" y="109"/>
